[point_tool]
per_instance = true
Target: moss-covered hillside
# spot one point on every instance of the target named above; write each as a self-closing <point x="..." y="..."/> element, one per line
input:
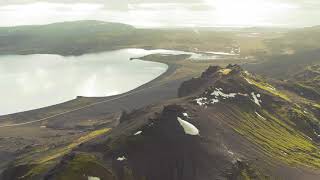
<point x="226" y="124"/>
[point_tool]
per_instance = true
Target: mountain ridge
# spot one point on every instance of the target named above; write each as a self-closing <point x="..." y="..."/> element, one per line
<point x="247" y="129"/>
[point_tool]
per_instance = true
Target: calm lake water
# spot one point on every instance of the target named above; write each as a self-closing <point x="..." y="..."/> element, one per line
<point x="30" y="82"/>
<point x="34" y="81"/>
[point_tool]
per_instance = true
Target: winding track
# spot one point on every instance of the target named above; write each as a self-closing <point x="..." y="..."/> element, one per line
<point x="83" y="107"/>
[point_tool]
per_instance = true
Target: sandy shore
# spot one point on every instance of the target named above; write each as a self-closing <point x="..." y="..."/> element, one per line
<point x="41" y="113"/>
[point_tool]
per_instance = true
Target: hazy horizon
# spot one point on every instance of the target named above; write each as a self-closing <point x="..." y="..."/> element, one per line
<point x="164" y="13"/>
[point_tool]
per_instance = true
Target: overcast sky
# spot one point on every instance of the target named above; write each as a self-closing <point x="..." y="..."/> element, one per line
<point x="164" y="13"/>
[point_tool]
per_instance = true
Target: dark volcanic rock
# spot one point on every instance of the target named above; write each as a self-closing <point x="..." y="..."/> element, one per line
<point x="194" y="84"/>
<point x="210" y="71"/>
<point x="164" y="151"/>
<point x="212" y="74"/>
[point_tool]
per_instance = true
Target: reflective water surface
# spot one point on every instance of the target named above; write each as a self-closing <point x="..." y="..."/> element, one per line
<point x="33" y="81"/>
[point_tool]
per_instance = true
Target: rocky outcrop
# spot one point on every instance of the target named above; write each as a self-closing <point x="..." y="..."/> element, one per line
<point x="212" y="74"/>
<point x="162" y="150"/>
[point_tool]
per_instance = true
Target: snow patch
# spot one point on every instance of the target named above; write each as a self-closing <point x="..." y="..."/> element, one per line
<point x="213" y="101"/>
<point x="230" y="152"/>
<point x="255" y="98"/>
<point x="201" y="101"/>
<point x="93" y="178"/>
<point x="185" y="115"/>
<point x="138" y="133"/>
<point x="216" y="96"/>
<point x="260" y="116"/>
<point x="121" y="158"/>
<point x="218" y="93"/>
<point x="188" y="127"/>
<point x="309" y="138"/>
<point x="242" y="94"/>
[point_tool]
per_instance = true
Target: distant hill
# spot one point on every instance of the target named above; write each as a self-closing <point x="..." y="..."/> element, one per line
<point x="296" y="40"/>
<point x="291" y="53"/>
<point x="68" y="26"/>
<point x="284" y="66"/>
<point x="80" y="37"/>
<point x="299" y="72"/>
<point x="63" y="38"/>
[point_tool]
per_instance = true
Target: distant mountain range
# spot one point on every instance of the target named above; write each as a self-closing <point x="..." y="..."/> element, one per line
<point x="64" y="38"/>
<point x="298" y="72"/>
<point x="297" y="40"/>
<point x="80" y="37"/>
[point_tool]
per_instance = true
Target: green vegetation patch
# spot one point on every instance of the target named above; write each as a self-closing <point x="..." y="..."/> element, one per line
<point x="277" y="139"/>
<point x="244" y="171"/>
<point x="81" y="167"/>
<point x="43" y="163"/>
<point x="267" y="87"/>
<point x="64" y="150"/>
<point x="305" y="90"/>
<point x="316" y="105"/>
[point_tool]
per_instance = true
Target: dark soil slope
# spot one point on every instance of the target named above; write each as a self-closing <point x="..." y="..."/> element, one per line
<point x="226" y="124"/>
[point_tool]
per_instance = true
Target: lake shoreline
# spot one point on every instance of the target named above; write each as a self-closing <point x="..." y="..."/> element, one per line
<point x="171" y="68"/>
<point x="44" y="80"/>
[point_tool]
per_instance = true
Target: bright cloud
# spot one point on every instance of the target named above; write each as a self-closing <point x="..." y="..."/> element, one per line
<point x="43" y="13"/>
<point x="154" y="13"/>
<point x="248" y="12"/>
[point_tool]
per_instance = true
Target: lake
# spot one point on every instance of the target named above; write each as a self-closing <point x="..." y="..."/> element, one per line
<point x="34" y="81"/>
<point x="39" y="80"/>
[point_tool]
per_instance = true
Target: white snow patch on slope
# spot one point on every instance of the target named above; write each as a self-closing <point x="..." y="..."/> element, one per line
<point x="230" y="152"/>
<point x="213" y="101"/>
<point x="93" y="178"/>
<point x="260" y="116"/>
<point x="138" y="133"/>
<point x="243" y="94"/>
<point x="216" y="96"/>
<point x="201" y="101"/>
<point x="255" y="98"/>
<point x="188" y="127"/>
<point x="121" y="158"/>
<point x="218" y="93"/>
<point x="310" y="138"/>
<point x="185" y="115"/>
